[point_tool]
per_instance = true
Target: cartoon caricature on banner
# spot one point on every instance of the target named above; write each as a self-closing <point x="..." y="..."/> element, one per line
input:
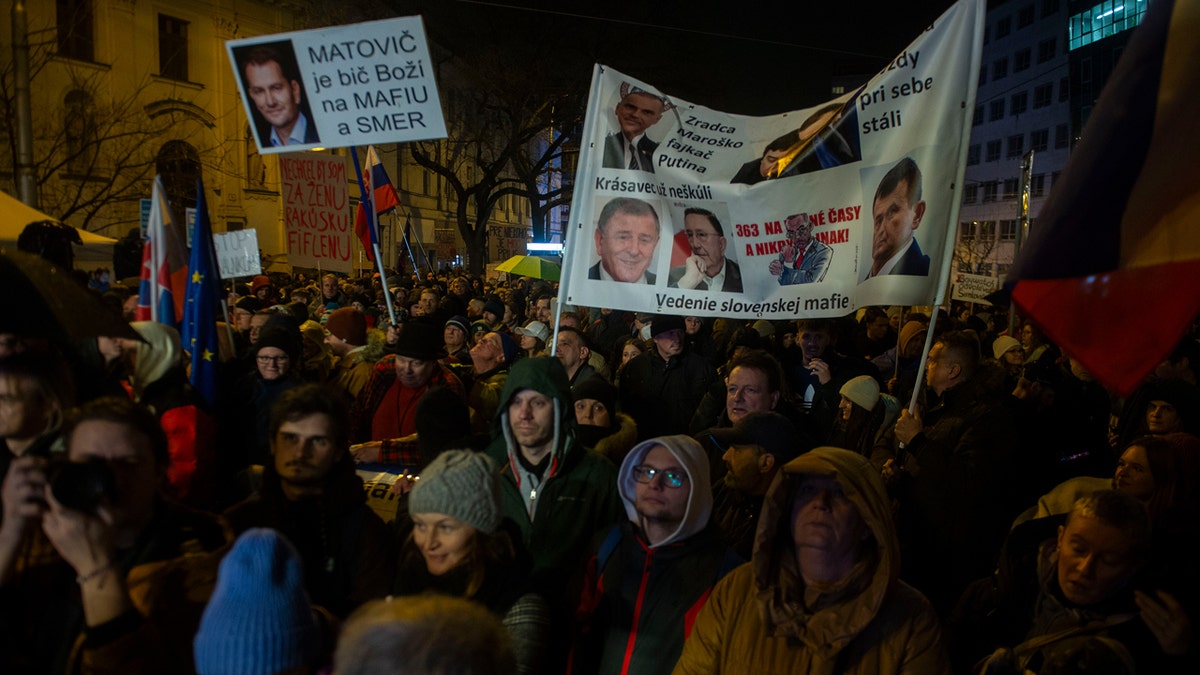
<point x="682" y="209"/>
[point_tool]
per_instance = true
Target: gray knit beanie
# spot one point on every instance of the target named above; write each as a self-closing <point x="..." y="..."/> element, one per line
<point x="461" y="484"/>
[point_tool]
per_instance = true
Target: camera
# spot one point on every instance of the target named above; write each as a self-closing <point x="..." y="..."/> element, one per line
<point x="82" y="486"/>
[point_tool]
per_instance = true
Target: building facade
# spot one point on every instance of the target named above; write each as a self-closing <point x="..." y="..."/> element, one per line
<point x="125" y="90"/>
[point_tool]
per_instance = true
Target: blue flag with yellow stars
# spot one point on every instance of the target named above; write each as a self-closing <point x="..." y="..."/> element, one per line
<point x="201" y="305"/>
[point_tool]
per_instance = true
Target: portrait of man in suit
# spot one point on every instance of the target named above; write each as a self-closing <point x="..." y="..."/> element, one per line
<point x="898" y="210"/>
<point x="630" y="148"/>
<point x="706" y="268"/>
<point x="272" y="82"/>
<point x="804" y="260"/>
<point x="626" y="239"/>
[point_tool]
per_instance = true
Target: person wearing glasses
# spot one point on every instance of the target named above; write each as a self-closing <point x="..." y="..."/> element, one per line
<point x="706" y="268"/>
<point x="245" y="440"/>
<point x="804" y="260"/>
<point x="653" y="572"/>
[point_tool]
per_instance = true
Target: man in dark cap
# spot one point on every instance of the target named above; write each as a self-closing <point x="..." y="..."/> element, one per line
<point x="346" y="335"/>
<point x="385" y="411"/>
<point x="752" y="450"/>
<point x="662" y="387"/>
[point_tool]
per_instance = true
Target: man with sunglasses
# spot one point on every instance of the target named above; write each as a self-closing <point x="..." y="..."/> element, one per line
<point x="653" y="572"/>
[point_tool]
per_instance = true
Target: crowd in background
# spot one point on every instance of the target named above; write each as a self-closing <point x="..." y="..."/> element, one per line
<point x="589" y="490"/>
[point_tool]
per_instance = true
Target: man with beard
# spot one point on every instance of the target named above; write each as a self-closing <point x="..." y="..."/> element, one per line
<point x="706" y="268"/>
<point x="312" y="495"/>
<point x="752" y="450"/>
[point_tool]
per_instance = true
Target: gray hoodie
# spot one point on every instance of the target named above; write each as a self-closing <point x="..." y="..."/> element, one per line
<point x="694" y="461"/>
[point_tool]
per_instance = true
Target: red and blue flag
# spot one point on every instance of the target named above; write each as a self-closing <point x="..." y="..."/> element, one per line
<point x="382" y="194"/>
<point x="164" y="265"/>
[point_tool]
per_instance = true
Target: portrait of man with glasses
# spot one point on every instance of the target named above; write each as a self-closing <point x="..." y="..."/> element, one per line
<point x="804" y="260"/>
<point x="706" y="267"/>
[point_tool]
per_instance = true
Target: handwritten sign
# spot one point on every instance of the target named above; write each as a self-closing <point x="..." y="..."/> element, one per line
<point x="237" y="253"/>
<point x="316" y="211"/>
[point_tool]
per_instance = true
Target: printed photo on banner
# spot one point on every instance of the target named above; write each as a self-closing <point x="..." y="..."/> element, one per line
<point x="897" y="211"/>
<point x="804" y="259"/>
<point x="627" y="236"/>
<point x="629" y="147"/>
<point x="270" y="76"/>
<point x="827" y="138"/>
<point x="701" y="255"/>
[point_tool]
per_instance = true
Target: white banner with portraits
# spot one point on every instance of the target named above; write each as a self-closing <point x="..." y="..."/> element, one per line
<point x="682" y="209"/>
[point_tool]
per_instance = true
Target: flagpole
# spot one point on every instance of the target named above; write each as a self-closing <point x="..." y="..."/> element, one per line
<point x="369" y="200"/>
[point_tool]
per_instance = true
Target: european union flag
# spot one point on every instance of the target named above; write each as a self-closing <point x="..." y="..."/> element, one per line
<point x="200" y="308"/>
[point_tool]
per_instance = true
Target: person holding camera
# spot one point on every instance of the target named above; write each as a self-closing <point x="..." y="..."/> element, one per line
<point x="98" y="572"/>
<point x="35" y="391"/>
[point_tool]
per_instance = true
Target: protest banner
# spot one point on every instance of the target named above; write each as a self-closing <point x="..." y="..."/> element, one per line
<point x="803" y="214"/>
<point x="357" y="84"/>
<point x="316" y="211"/>
<point x="237" y="253"/>
<point x="974" y="288"/>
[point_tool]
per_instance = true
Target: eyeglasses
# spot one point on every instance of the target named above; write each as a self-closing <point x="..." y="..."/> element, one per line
<point x="700" y="236"/>
<point x="672" y="479"/>
<point x="273" y="359"/>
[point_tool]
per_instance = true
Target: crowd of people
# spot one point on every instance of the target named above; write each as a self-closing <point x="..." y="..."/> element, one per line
<point x="588" y="490"/>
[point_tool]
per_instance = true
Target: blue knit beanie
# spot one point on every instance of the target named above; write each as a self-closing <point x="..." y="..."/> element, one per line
<point x="259" y="620"/>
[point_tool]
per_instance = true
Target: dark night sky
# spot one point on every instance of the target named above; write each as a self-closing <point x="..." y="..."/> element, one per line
<point x="751" y="58"/>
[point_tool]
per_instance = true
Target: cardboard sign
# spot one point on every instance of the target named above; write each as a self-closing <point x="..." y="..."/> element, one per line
<point x="316" y="211"/>
<point x="237" y="253"/>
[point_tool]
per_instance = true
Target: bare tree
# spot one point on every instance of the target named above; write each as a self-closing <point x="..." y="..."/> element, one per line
<point x="96" y="150"/>
<point x="493" y="133"/>
<point x="546" y="168"/>
<point x="974" y="245"/>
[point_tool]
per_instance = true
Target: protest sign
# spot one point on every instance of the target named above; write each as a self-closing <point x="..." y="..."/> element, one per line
<point x="681" y="209"/>
<point x="316" y="211"/>
<point x="237" y="253"/>
<point x="974" y="288"/>
<point x="335" y="87"/>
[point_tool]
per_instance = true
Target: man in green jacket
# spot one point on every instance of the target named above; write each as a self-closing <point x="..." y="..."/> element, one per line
<point x="558" y="493"/>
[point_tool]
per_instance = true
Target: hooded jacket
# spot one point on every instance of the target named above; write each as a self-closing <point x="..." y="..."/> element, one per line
<point x="575" y="496"/>
<point x="762" y="618"/>
<point x="639" y="602"/>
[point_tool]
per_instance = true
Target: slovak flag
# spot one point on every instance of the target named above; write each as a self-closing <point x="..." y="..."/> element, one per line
<point x="164" y="265"/>
<point x="376" y="184"/>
